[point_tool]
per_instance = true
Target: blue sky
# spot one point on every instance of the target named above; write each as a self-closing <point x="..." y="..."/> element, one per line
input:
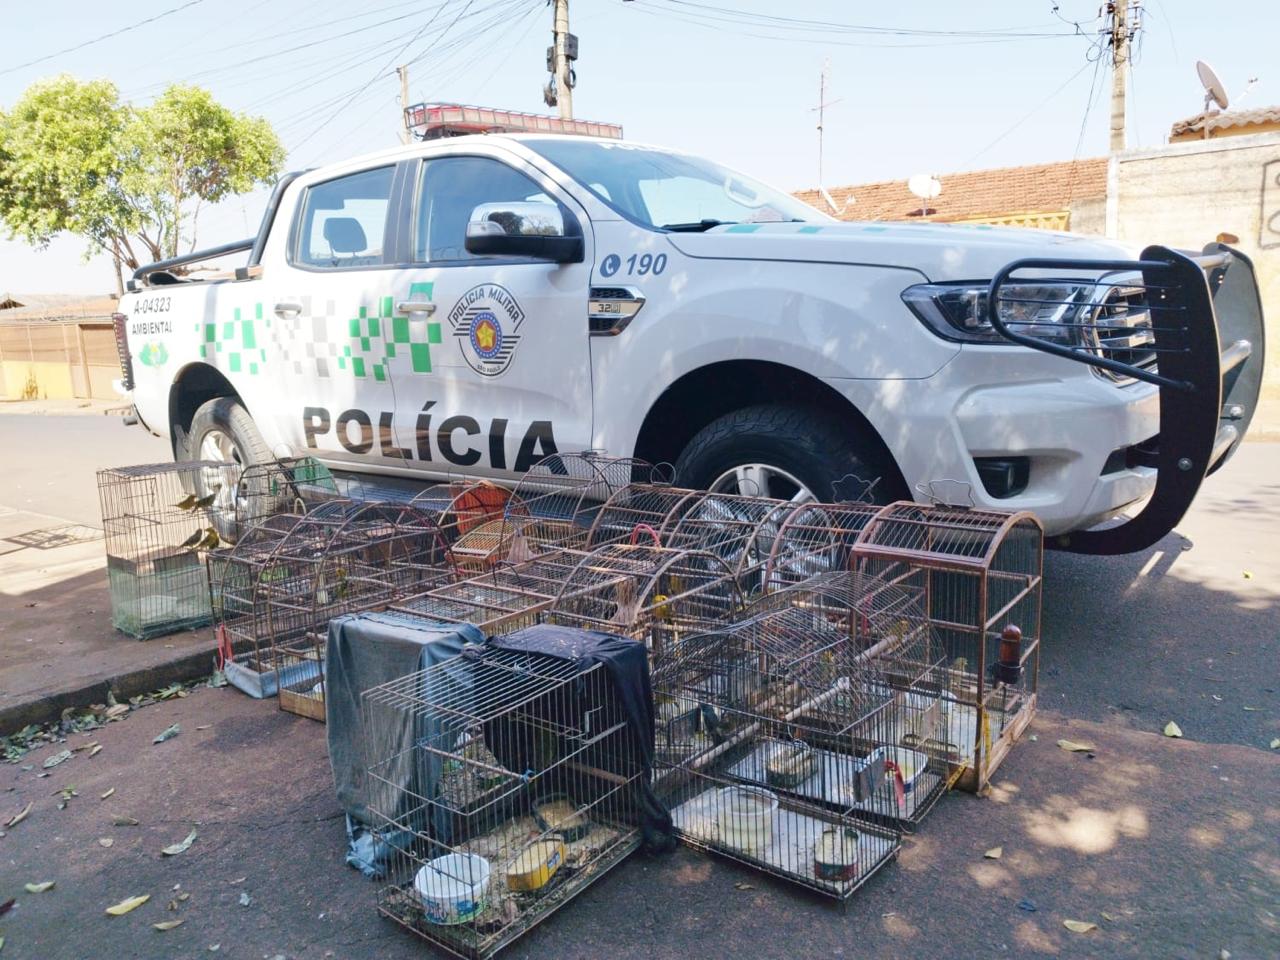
<point x="693" y="74"/>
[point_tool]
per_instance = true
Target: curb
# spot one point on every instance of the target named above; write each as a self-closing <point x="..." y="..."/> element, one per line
<point x="191" y="666"/>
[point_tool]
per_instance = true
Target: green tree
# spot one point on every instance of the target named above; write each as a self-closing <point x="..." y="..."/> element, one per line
<point x="132" y="181"/>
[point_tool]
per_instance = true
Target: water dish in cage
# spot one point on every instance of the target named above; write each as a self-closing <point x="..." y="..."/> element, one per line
<point x="453" y="888"/>
<point x="744" y="816"/>
<point x="560" y="815"/>
<point x="790" y="764"/>
<point x="835" y="855"/>
<point x="536" y="865"/>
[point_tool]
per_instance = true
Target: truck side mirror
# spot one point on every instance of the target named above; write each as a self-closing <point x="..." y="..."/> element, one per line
<point x="524" y="229"/>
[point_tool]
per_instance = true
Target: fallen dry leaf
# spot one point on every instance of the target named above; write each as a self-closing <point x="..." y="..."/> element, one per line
<point x="97" y="748"/>
<point x="40" y="887"/>
<point x="184" y="897"/>
<point x="1108" y="917"/>
<point x="168" y="924"/>
<point x="1071" y="746"/>
<point x="105" y="841"/>
<point x="115" y="711"/>
<point x="1252" y="709"/>
<point x="1275" y="744"/>
<point x="168" y="733"/>
<point x="743" y="886"/>
<point x="124" y="906"/>
<point x="1079" y="926"/>
<point x="1171" y="729"/>
<point x="120" y="820"/>
<point x="18" y="817"/>
<point x="7" y="905"/>
<point x="176" y="848"/>
<point x="107" y="794"/>
<point x="995" y="853"/>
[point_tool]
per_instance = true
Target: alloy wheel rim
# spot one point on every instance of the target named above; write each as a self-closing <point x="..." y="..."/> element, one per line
<point x="763" y="480"/>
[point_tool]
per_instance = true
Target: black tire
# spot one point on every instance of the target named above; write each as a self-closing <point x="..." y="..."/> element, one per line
<point x="228" y="416"/>
<point x="817" y="448"/>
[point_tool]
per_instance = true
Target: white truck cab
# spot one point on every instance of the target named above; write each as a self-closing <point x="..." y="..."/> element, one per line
<point x="467" y="305"/>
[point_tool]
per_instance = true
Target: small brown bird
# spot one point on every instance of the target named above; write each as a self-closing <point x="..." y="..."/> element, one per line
<point x="193" y="540"/>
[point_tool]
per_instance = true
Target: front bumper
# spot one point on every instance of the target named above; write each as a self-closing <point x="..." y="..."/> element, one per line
<point x="1065" y="420"/>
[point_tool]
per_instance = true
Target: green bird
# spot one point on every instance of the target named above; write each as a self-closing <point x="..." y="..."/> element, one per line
<point x="193" y="540"/>
<point x="211" y="539"/>
<point x="206" y="501"/>
<point x="187" y="502"/>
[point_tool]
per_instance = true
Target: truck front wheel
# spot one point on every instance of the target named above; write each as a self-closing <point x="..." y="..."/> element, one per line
<point x="223" y="431"/>
<point x="787" y="452"/>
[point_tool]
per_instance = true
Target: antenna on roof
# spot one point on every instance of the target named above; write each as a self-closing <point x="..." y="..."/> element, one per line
<point x="925" y="186"/>
<point x="821" y="109"/>
<point x="1214" y="91"/>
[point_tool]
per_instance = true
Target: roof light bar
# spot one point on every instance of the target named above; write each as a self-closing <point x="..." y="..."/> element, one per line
<point x="432" y="121"/>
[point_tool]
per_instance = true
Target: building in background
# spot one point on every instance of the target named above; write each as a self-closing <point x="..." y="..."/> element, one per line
<point x="1234" y="123"/>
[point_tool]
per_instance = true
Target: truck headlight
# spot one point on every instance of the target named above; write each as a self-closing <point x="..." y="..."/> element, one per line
<point x="1055" y="311"/>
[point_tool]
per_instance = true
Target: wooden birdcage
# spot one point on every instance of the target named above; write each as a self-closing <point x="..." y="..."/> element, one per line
<point x="470" y="517"/>
<point x="653" y="594"/>
<point x="501" y="784"/>
<point x="158" y="522"/>
<point x="980" y="573"/>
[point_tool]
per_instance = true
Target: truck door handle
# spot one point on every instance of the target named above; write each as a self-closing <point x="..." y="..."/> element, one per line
<point x="287" y="311"/>
<point x="415" y="306"/>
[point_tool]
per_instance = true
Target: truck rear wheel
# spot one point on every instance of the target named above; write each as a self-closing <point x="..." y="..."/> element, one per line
<point x="223" y="431"/>
<point x="787" y="452"/>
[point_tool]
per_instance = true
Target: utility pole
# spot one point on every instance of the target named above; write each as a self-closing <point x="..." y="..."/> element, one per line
<point x="564" y="86"/>
<point x="1121" y="35"/>
<point x="406" y="135"/>
<point x="821" y="110"/>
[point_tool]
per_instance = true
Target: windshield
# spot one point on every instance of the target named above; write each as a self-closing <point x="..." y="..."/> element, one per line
<point x="672" y="191"/>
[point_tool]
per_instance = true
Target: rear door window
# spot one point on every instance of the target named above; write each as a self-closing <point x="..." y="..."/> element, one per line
<point x="344" y="221"/>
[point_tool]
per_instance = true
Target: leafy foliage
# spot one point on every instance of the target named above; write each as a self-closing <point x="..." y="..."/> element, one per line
<point x="131" y="180"/>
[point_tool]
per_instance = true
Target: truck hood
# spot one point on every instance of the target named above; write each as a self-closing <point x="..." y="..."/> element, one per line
<point x="940" y="251"/>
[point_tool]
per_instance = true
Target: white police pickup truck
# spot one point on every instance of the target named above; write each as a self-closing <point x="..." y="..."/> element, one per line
<point x="470" y="304"/>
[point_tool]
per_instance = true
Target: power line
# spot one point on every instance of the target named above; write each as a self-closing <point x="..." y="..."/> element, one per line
<point x="1032" y="112"/>
<point x="105" y="36"/>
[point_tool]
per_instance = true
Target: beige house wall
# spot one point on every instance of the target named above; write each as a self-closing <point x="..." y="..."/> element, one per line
<point x="1186" y="194"/>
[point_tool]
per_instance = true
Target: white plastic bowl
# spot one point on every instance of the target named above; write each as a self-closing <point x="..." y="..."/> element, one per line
<point x="452" y="888"/>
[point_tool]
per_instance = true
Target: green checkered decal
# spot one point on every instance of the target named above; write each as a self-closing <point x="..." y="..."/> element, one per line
<point x="317" y="343"/>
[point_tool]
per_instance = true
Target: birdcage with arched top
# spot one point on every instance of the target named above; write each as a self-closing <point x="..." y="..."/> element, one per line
<point x="653" y="594"/>
<point x="377" y="553"/>
<point x="741" y="530"/>
<point x="469" y="515"/>
<point x="553" y="505"/>
<point x="290" y="486"/>
<point x="980" y="573"/>
<point x="815" y="538"/>
<point x="501" y="783"/>
<point x="643" y="511"/>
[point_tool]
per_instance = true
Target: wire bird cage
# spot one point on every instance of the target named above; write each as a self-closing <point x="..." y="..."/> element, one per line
<point x="813" y="539"/>
<point x="781" y="744"/>
<point x="741" y="530"/>
<point x="289" y="486"/>
<point x="501" y="784"/>
<point x="640" y="513"/>
<point x="980" y="573"/>
<point x="652" y="594"/>
<point x="158" y="521"/>
<point x="470" y="517"/>
<point x="288" y="576"/>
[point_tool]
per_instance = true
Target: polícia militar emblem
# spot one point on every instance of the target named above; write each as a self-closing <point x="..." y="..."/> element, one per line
<point x="486" y="322"/>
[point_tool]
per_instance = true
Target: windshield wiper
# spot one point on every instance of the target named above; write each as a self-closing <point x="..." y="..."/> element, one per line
<point x="697" y="226"/>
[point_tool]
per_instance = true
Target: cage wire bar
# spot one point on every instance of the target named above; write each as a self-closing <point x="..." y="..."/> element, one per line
<point x="641" y="512"/>
<point x="652" y="594"/>
<point x="376" y="554"/>
<point x="158" y="522"/>
<point x="740" y="529"/>
<point x="501" y="784"/>
<point x="981" y="574"/>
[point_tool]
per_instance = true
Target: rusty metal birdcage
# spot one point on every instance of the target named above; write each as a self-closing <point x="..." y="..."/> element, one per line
<point x="278" y="486"/>
<point x="815" y="538"/>
<point x="980" y="573"/>
<point x="377" y="553"/>
<point x="647" y="593"/>
<point x="158" y="522"/>
<point x="501" y="784"/>
<point x="742" y="530"/>
<point x="470" y="517"/>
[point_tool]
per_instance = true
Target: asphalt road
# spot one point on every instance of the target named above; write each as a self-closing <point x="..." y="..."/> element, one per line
<point x="1168" y="845"/>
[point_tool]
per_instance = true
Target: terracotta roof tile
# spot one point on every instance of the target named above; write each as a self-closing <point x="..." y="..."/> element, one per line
<point x="1222" y="121"/>
<point x="1037" y="188"/>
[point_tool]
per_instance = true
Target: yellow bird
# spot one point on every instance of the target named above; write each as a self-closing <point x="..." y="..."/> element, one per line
<point x="187" y="502"/>
<point x="211" y="539"/>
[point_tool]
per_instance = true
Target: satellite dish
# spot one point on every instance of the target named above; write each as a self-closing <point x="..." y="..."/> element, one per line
<point x="925" y="186"/>
<point x="1214" y="91"/>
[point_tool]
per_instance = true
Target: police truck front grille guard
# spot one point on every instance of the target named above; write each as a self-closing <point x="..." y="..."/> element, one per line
<point x="1206" y="336"/>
